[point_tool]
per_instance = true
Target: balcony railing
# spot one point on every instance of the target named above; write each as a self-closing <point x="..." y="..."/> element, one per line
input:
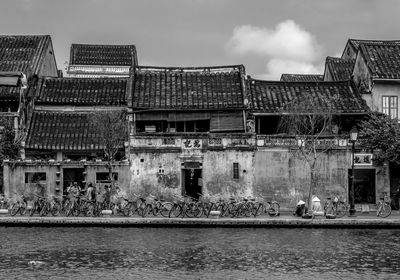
<point x="285" y="141"/>
<point x="192" y="141"/>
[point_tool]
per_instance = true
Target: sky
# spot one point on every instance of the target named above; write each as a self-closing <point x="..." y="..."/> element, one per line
<point x="268" y="37"/>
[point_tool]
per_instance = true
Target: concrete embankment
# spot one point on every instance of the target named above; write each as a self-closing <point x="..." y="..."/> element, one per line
<point x="282" y="221"/>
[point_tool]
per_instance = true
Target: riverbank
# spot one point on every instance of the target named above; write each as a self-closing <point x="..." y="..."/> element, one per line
<point x="361" y="221"/>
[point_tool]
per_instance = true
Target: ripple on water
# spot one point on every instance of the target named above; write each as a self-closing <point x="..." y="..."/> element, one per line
<point x="219" y="253"/>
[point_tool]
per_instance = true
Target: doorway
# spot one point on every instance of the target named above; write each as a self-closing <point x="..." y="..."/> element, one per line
<point x="71" y="175"/>
<point x="192" y="182"/>
<point x="364" y="186"/>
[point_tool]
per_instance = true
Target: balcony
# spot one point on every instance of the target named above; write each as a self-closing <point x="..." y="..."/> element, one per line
<point x="192" y="141"/>
<point x="324" y="142"/>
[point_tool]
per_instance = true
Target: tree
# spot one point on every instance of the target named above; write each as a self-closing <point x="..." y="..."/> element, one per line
<point x="381" y="134"/>
<point x="9" y="143"/>
<point x="111" y="130"/>
<point x="311" y="122"/>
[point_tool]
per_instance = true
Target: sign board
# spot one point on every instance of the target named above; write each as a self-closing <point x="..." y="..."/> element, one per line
<point x="189" y="144"/>
<point x="363" y="159"/>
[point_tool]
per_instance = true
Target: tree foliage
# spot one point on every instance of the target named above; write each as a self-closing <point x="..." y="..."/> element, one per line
<point x="9" y="144"/>
<point x="381" y="134"/>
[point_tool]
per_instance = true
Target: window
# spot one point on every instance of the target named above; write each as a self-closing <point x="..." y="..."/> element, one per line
<point x="35" y="177"/>
<point x="389" y="106"/>
<point x="235" y="170"/>
<point x="102" y="177"/>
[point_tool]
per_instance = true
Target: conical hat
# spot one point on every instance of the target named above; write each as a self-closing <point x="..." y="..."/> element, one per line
<point x="301" y="202"/>
<point x="316" y="199"/>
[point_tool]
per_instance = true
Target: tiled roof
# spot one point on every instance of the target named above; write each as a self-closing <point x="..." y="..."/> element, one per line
<point x="112" y="55"/>
<point x="302" y="78"/>
<point x="382" y="59"/>
<point x="22" y="52"/>
<point x="62" y="131"/>
<point x="356" y="42"/>
<point x="188" y="88"/>
<point x="340" y="69"/>
<point x="9" y="93"/>
<point x="83" y="91"/>
<point x="271" y="97"/>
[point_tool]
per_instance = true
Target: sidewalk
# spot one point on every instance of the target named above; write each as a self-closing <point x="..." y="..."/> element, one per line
<point x="285" y="220"/>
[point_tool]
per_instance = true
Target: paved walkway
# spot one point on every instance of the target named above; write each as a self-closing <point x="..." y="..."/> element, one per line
<point x="285" y="220"/>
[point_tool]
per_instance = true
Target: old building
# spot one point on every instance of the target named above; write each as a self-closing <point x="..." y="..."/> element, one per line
<point x="22" y="59"/>
<point x="91" y="61"/>
<point x="280" y="175"/>
<point x="189" y="133"/>
<point x="62" y="145"/>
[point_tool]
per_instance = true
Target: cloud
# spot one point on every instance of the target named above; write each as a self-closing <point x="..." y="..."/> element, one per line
<point x="276" y="67"/>
<point x="287" y="48"/>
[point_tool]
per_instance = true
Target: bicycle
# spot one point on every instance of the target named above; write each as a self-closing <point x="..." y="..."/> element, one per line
<point x="335" y="207"/>
<point x="271" y="207"/>
<point x="19" y="206"/>
<point x="383" y="208"/>
<point x="38" y="204"/>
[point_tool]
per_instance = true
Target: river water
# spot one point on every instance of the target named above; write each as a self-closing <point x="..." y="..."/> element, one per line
<point x="198" y="253"/>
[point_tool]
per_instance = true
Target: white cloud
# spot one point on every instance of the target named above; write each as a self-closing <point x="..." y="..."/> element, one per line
<point x="276" y="67"/>
<point x="287" y="48"/>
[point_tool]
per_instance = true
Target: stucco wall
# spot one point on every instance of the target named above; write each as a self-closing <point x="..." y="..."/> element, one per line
<point x="282" y="177"/>
<point x="380" y="90"/>
<point x="160" y="173"/>
<point x="14" y="175"/>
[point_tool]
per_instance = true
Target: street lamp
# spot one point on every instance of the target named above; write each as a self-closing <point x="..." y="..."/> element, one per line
<point x="353" y="138"/>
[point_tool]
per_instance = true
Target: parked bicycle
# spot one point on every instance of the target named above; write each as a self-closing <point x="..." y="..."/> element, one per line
<point x="38" y="204"/>
<point x="383" y="208"/>
<point x="19" y="206"/>
<point x="335" y="207"/>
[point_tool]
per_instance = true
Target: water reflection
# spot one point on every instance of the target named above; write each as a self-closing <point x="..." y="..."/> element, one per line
<point x="220" y="253"/>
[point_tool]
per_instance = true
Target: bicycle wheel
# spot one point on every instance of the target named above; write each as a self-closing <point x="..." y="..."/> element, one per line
<point x="33" y="209"/>
<point x="165" y="209"/>
<point x="90" y="209"/>
<point x="14" y="209"/>
<point x="191" y="210"/>
<point x="341" y="209"/>
<point x="384" y="210"/>
<point x="176" y="211"/>
<point x="22" y="208"/>
<point x="127" y="210"/>
<point x="55" y="209"/>
<point x="67" y="208"/>
<point x="259" y="210"/>
<point x="274" y="209"/>
<point x="45" y="209"/>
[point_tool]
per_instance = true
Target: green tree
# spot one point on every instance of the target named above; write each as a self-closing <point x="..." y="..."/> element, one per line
<point x="381" y="134"/>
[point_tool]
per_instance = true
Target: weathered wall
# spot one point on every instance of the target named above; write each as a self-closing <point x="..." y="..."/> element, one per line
<point x="14" y="175"/>
<point x="280" y="176"/>
<point x="218" y="173"/>
<point x="155" y="173"/>
<point x="160" y="173"/>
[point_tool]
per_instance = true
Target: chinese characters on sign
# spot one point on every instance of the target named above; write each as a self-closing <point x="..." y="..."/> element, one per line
<point x="362" y="159"/>
<point x="192" y="144"/>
